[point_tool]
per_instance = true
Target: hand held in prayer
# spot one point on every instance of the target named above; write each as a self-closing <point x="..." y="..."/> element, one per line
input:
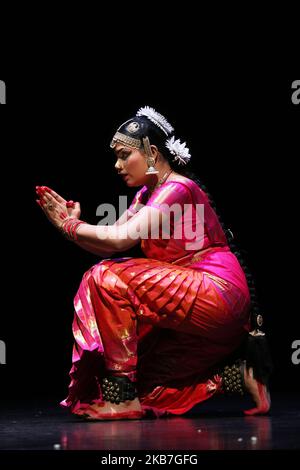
<point x="55" y="207"/>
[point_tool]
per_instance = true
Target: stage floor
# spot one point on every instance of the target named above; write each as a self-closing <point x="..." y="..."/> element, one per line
<point x="215" y="425"/>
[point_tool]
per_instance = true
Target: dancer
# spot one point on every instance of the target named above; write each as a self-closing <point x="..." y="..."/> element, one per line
<point x="159" y="333"/>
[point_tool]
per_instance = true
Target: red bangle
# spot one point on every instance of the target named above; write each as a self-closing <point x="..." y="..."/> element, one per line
<point x="74" y="229"/>
<point x="69" y="228"/>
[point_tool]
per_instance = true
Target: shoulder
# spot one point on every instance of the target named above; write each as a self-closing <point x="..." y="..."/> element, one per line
<point x="188" y="188"/>
<point x="182" y="183"/>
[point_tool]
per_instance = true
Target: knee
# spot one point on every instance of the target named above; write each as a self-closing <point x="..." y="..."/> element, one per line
<point x="96" y="271"/>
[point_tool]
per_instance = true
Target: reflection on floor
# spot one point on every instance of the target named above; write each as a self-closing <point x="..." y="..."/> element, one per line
<point x="215" y="425"/>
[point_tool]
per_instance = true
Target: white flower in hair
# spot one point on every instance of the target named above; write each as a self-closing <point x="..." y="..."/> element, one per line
<point x="156" y="118"/>
<point x="180" y="150"/>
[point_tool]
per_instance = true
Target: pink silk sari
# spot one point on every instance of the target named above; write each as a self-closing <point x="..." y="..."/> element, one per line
<point x="165" y="320"/>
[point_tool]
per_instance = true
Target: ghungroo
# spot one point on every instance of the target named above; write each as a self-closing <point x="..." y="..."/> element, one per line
<point x="118" y="389"/>
<point x="232" y="378"/>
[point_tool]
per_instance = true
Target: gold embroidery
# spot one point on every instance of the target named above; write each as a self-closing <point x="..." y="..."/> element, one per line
<point x="220" y="282"/>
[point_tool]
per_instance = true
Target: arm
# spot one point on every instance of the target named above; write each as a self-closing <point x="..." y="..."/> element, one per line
<point x="93" y="247"/>
<point x="145" y="223"/>
<point x="98" y="238"/>
<point x="122" y="237"/>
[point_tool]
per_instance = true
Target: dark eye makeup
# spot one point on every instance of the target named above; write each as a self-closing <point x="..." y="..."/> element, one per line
<point x="124" y="155"/>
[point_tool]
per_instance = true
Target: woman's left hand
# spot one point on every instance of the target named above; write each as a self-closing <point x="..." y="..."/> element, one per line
<point x="56" y="208"/>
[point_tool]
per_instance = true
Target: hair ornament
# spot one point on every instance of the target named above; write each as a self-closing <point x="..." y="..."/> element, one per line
<point x="179" y="150"/>
<point x="156" y="118"/>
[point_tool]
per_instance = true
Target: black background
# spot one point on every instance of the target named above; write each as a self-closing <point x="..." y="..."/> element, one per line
<point x="243" y="133"/>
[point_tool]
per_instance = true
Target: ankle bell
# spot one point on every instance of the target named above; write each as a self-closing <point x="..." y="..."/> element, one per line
<point x="232" y="378"/>
<point x="118" y="389"/>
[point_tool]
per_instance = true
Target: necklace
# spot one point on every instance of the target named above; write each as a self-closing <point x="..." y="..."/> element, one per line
<point x="159" y="183"/>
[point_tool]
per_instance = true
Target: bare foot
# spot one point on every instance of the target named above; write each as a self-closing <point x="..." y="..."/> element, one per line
<point x="259" y="393"/>
<point x="129" y="409"/>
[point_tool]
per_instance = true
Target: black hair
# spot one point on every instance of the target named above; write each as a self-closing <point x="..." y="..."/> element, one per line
<point x="140" y="126"/>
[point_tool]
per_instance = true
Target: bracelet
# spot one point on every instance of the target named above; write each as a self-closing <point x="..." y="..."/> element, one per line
<point x="69" y="228"/>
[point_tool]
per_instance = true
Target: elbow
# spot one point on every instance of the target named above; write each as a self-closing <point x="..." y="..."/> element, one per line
<point x="119" y="246"/>
<point x="123" y="244"/>
<point x="122" y="240"/>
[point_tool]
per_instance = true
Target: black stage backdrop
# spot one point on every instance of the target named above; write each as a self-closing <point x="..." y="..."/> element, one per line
<point x="243" y="134"/>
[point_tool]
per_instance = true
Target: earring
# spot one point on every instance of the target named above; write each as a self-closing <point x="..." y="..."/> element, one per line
<point x="151" y="170"/>
<point x="150" y="160"/>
